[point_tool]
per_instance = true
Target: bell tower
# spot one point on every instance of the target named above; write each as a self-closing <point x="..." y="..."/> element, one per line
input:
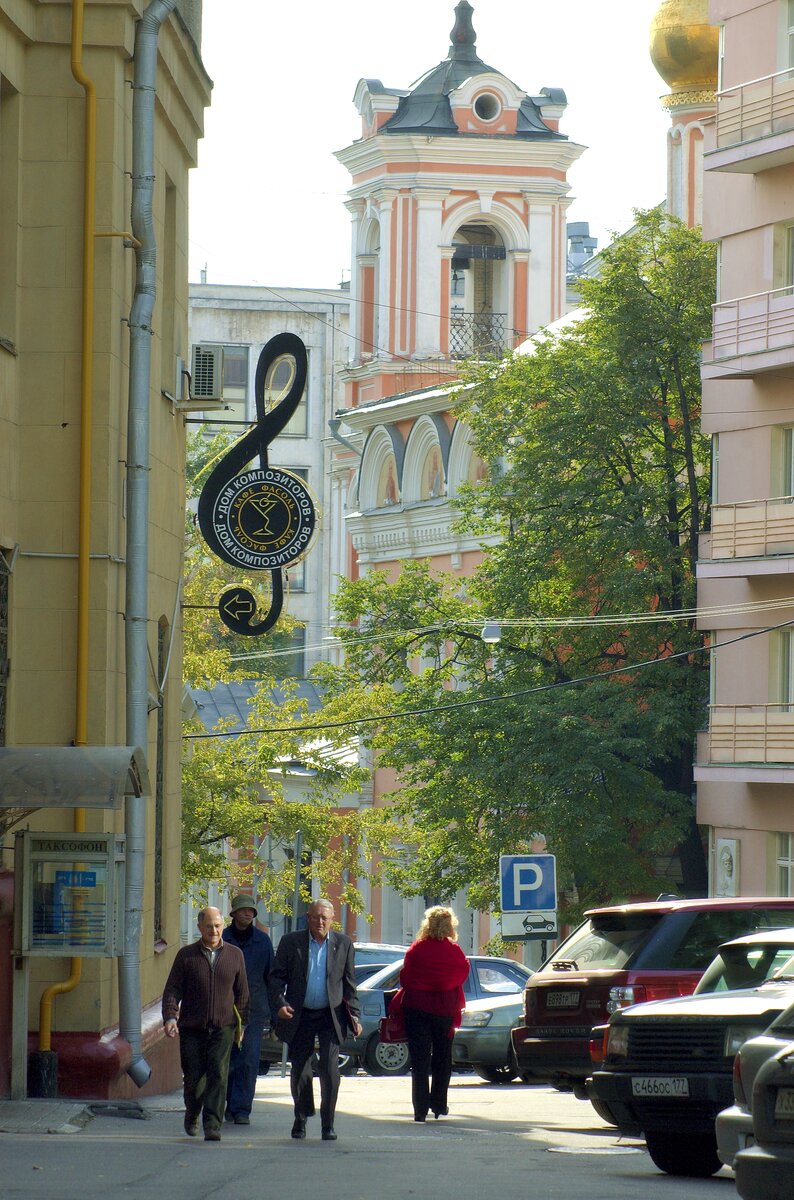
<point x="458" y="199"/>
<point x="685" y="52"/>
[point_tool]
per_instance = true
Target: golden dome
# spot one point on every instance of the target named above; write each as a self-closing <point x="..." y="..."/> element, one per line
<point x="684" y="47"/>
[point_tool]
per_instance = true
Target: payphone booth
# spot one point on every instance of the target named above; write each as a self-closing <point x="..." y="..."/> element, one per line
<point x="72" y="893"/>
<point x="69" y="887"/>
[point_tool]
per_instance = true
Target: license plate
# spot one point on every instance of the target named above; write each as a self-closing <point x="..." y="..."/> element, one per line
<point x="665" y="1086"/>
<point x="784" y="1104"/>
<point x="562" y="1000"/>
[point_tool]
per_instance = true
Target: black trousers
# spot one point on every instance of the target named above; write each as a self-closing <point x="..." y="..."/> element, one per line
<point x="315" y="1023"/>
<point x="204" y="1055"/>
<point x="430" y="1045"/>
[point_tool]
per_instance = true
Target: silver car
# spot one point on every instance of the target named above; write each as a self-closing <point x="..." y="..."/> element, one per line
<point x="734" y="1125"/>
<point x="765" y="1171"/>
<point x="483" y="1041"/>
<point x="488" y="977"/>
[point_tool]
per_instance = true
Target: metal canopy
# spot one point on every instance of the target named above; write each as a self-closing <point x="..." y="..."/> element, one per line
<point x="71" y="776"/>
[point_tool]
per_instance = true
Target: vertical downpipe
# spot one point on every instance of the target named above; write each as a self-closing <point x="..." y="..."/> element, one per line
<point x="136" y="612"/>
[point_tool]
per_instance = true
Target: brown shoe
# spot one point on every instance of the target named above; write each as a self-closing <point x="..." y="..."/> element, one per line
<point x="212" y="1135"/>
<point x="191" y="1126"/>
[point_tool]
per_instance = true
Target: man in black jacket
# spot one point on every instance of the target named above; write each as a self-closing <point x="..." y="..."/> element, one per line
<point x="206" y="983"/>
<point x="313" y="994"/>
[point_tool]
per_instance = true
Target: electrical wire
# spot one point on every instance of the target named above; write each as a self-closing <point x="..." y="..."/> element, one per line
<point x="621" y="619"/>
<point x="626" y="669"/>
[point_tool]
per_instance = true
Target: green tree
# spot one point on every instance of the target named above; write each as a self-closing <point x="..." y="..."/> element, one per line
<point x="233" y="786"/>
<point x="598" y="488"/>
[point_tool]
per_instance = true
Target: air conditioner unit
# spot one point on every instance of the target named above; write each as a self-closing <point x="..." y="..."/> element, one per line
<point x="207" y="373"/>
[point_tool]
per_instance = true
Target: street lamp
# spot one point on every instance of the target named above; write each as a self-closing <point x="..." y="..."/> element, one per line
<point x="491" y="633"/>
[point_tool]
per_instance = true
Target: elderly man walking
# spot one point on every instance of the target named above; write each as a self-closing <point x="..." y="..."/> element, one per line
<point x="207" y="982"/>
<point x="313" y="994"/>
<point x="257" y="950"/>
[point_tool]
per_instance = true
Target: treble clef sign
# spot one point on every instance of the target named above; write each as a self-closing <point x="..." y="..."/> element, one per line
<point x="260" y="519"/>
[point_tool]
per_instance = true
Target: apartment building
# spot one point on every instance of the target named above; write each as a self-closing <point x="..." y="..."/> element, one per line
<point x="745" y="758"/>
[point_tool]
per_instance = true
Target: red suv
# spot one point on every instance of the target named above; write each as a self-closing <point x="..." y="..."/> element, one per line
<point x="620" y="956"/>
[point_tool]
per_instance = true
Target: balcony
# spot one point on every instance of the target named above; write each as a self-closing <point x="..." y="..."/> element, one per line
<point x="747" y="742"/>
<point x="752" y="529"/>
<point x="752" y="335"/>
<point x="754" y="125"/>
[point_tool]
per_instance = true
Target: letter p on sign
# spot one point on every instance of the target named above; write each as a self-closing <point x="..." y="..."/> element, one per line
<point x="527" y="877"/>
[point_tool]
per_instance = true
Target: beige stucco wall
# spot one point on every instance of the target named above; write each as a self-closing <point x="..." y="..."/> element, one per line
<point x="42" y="112"/>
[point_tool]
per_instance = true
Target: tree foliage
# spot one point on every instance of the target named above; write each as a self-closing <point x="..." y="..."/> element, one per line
<point x="598" y="488"/>
<point x="233" y="787"/>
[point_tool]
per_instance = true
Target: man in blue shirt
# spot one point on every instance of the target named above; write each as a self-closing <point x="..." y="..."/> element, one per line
<point x="313" y="994"/>
<point x="257" y="950"/>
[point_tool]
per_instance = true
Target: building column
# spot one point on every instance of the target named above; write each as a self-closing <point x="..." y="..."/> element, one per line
<point x="385" y="200"/>
<point x="428" y="266"/>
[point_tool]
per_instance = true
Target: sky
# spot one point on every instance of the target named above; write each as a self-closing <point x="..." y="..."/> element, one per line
<point x="267" y="198"/>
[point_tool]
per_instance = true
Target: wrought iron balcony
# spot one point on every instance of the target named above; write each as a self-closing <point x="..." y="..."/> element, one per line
<point x="477" y="335"/>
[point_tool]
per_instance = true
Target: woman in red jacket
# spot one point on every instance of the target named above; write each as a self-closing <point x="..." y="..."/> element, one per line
<point x="432" y="977"/>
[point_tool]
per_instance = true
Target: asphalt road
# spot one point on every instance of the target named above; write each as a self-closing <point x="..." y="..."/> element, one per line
<point x="507" y="1142"/>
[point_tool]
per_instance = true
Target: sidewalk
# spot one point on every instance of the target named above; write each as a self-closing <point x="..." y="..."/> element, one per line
<point x="70" y="1116"/>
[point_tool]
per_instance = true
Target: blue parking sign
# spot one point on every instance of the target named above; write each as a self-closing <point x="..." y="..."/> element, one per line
<point x="528" y="882"/>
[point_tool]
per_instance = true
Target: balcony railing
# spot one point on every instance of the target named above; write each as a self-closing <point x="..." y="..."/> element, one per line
<point x="477" y="335"/>
<point x="756" y="109"/>
<point x="753" y="528"/>
<point x="749" y="733"/>
<point x="753" y="324"/>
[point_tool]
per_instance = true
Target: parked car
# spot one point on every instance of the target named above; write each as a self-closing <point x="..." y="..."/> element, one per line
<point x="742" y="961"/>
<point x="734" y="1125"/>
<point x="483" y="1041"/>
<point x="368" y="953"/>
<point x="765" y="1171"/>
<point x="624" y="955"/>
<point x="488" y="978"/>
<point x="667" y="1070"/>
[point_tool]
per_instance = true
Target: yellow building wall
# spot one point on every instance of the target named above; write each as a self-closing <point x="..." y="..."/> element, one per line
<point x="42" y="111"/>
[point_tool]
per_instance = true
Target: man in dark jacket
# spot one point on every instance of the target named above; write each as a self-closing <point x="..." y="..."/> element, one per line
<point x="257" y="950"/>
<point x="206" y="984"/>
<point x="313" y="994"/>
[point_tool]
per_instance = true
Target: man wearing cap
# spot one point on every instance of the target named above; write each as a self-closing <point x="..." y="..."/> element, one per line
<point x="257" y="950"/>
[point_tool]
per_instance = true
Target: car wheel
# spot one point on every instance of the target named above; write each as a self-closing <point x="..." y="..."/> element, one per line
<point x="386" y="1058"/>
<point x="604" y="1112"/>
<point x="694" y="1155"/>
<point x="347" y="1064"/>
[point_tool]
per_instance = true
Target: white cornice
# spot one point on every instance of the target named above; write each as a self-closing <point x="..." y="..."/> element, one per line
<point x="399" y="408"/>
<point x="471" y="152"/>
<point x="421" y="530"/>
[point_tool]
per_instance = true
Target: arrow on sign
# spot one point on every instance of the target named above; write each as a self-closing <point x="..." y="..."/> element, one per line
<point x="238" y="604"/>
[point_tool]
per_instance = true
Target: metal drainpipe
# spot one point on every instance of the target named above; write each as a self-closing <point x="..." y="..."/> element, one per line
<point x="136" y="613"/>
<point x="85" y="479"/>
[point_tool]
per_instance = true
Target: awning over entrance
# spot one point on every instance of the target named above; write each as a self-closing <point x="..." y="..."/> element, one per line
<point x="71" y="776"/>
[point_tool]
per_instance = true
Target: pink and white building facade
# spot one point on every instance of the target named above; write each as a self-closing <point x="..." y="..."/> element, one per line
<point x="745" y="760"/>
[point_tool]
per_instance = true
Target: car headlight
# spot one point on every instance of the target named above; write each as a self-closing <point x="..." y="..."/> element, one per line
<point x="618" y="1041"/>
<point x="475" y="1020"/>
<point x="736" y="1036"/>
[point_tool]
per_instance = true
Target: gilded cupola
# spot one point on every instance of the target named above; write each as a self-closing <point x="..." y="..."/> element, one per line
<point x="685" y="51"/>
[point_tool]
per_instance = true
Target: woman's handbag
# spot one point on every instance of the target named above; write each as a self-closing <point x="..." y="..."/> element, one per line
<point x="391" y="1028"/>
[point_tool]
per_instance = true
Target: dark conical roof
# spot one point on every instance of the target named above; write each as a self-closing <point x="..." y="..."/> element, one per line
<point x="426" y="108"/>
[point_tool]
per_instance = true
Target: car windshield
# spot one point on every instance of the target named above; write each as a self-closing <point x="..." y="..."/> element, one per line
<point x="605" y="940"/>
<point x="745" y="966"/>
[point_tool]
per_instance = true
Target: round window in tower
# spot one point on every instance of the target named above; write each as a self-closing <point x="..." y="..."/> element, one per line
<point x="487" y="106"/>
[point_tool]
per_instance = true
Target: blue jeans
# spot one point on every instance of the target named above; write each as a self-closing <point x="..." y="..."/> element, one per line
<point x="243" y="1070"/>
